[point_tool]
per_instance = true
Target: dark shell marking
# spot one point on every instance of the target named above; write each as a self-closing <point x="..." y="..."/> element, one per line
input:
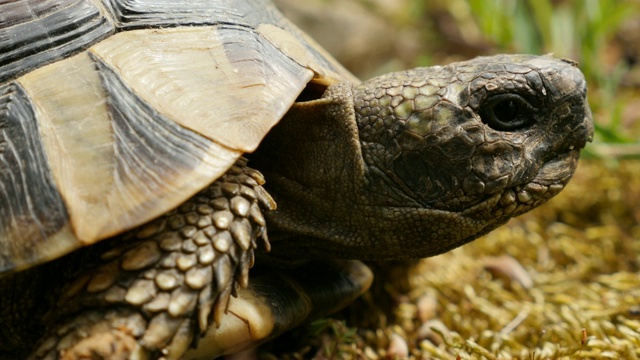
<point x="93" y="84"/>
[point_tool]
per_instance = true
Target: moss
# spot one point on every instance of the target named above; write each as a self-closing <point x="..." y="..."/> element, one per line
<point x="580" y="251"/>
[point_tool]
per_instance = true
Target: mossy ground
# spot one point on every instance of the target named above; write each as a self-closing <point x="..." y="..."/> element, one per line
<point x="580" y="253"/>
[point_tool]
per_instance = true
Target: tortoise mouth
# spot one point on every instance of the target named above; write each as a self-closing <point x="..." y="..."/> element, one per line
<point x="550" y="180"/>
<point x="559" y="169"/>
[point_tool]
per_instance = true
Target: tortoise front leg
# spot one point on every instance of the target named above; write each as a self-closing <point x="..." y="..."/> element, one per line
<point x="160" y="286"/>
<point x="166" y="293"/>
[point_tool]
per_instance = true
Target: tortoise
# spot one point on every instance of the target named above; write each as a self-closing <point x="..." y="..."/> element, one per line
<point x="145" y="145"/>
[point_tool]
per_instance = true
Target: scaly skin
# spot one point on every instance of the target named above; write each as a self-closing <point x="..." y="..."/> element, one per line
<point x="161" y="284"/>
<point x="406" y="165"/>
<point x="166" y="287"/>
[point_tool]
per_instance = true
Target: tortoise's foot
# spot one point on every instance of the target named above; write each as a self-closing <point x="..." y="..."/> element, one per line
<point x="158" y="288"/>
<point x="115" y="345"/>
<point x="119" y="333"/>
<point x="94" y="335"/>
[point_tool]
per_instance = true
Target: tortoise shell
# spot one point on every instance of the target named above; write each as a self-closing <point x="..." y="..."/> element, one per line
<point x="114" y="112"/>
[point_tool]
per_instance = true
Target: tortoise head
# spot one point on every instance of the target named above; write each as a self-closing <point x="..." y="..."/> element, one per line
<point x="482" y="140"/>
<point x="453" y="137"/>
<point x="418" y="162"/>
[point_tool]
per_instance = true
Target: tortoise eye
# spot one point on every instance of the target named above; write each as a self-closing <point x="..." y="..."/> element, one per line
<point x="507" y="112"/>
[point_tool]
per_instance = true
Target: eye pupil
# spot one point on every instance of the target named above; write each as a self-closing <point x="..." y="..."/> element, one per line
<point x="506" y="111"/>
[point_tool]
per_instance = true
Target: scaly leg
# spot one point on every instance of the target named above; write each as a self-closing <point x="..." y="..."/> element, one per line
<point x="164" y="290"/>
<point x="162" y="285"/>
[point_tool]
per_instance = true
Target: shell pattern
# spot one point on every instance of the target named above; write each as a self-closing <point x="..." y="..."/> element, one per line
<point x="114" y="112"/>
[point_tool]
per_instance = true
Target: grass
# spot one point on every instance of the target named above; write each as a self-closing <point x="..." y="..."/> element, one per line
<point x="580" y="252"/>
<point x="591" y="32"/>
<point x="588" y="31"/>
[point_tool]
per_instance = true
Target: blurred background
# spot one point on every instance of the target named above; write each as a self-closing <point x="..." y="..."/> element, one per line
<point x="372" y="37"/>
<point x="559" y="283"/>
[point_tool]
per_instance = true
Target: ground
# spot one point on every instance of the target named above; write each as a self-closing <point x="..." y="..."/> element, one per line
<point x="558" y="283"/>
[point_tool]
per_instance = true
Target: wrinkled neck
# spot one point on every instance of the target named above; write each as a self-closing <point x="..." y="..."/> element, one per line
<point x="314" y="169"/>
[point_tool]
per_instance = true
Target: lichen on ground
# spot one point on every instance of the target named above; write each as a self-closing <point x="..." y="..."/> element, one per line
<point x="560" y="282"/>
